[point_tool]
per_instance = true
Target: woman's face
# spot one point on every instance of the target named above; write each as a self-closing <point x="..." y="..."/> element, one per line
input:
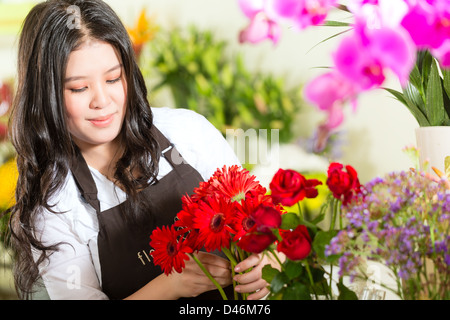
<point x="95" y="94"/>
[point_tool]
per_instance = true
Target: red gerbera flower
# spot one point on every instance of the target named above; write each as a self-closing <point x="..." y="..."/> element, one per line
<point x="243" y="221"/>
<point x="212" y="219"/>
<point x="169" y="251"/>
<point x="184" y="218"/>
<point x="232" y="182"/>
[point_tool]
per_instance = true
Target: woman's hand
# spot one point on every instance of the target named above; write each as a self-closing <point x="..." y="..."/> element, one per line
<point x="252" y="281"/>
<point x="192" y="281"/>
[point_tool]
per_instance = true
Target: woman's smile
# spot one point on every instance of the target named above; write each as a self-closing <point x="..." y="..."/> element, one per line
<point x="103" y="121"/>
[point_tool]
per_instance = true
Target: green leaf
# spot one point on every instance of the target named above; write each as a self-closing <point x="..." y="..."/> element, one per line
<point x="268" y="273"/>
<point x="333" y="23"/>
<point x="435" y="103"/>
<point x="330" y="37"/>
<point x="289" y="220"/>
<point x="297" y="291"/>
<point x="278" y="282"/>
<point x="446" y="85"/>
<point x="446" y="75"/>
<point x="293" y="269"/>
<point x="415" y="78"/>
<point x="322" y="239"/>
<point x="414" y="109"/>
<point x="317" y="274"/>
<point x="345" y="293"/>
<point x="426" y="60"/>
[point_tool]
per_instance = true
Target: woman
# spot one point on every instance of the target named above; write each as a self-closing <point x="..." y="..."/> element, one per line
<point x="99" y="169"/>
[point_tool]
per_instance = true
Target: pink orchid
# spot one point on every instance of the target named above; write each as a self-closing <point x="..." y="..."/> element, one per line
<point x="377" y="13"/>
<point x="364" y="56"/>
<point x="266" y="16"/>
<point x="428" y="22"/>
<point x="443" y="53"/>
<point x="330" y="92"/>
<point x="259" y="29"/>
<point x="301" y="13"/>
<point x="261" y="26"/>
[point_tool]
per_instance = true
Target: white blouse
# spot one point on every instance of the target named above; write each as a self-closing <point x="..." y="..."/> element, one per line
<point x="73" y="272"/>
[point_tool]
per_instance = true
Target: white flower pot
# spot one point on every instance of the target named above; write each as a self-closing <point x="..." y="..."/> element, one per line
<point x="433" y="144"/>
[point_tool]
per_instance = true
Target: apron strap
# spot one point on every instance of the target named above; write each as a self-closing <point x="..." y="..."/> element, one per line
<point x="84" y="180"/>
<point x="168" y="150"/>
<point x="86" y="183"/>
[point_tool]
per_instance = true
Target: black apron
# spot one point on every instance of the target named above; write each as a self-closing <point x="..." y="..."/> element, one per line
<point x="123" y="247"/>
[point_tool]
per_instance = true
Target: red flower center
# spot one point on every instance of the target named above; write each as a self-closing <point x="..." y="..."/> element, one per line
<point x="217" y="222"/>
<point x="248" y="223"/>
<point x="171" y="249"/>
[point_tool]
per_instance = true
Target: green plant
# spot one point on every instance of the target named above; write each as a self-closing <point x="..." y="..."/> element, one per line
<point x="427" y="93"/>
<point x="202" y="77"/>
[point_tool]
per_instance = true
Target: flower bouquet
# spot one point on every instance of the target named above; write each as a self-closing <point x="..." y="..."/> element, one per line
<point x="233" y="213"/>
<point x="402" y="221"/>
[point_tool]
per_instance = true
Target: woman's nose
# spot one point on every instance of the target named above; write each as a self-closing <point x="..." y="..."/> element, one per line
<point x="100" y="97"/>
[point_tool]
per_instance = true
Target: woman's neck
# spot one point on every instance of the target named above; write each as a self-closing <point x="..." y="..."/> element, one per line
<point x="103" y="157"/>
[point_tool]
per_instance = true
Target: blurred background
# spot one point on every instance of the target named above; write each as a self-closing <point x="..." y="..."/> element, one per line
<point x="190" y="55"/>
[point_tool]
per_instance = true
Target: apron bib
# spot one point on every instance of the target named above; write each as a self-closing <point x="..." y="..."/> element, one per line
<point x="124" y="249"/>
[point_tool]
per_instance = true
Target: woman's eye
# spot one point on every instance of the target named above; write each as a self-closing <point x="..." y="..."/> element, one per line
<point x="114" y="80"/>
<point x="78" y="90"/>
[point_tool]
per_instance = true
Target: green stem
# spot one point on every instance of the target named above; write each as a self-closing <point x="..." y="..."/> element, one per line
<point x="334" y="212"/>
<point x="300" y="212"/>
<point x="230" y="256"/>
<point x="311" y="279"/>
<point x="331" y="282"/>
<point x="218" y="286"/>
<point x="234" y="262"/>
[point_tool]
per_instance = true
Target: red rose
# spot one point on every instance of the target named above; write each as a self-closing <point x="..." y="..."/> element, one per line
<point x="343" y="184"/>
<point x="261" y="222"/>
<point x="266" y="218"/>
<point x="296" y="244"/>
<point x="256" y="242"/>
<point x="289" y="187"/>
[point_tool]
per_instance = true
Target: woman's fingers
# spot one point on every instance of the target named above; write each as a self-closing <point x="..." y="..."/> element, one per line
<point x="248" y="263"/>
<point x="212" y="259"/>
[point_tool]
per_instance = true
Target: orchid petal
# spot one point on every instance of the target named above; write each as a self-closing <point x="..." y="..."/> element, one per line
<point x="259" y="29"/>
<point x="395" y="50"/>
<point x="251" y="7"/>
<point x="443" y="54"/>
<point x="354" y="61"/>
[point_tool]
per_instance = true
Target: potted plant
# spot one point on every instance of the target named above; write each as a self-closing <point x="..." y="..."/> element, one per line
<point x="408" y="38"/>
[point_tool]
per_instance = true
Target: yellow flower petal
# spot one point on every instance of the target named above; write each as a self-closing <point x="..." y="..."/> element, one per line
<point x="8" y="181"/>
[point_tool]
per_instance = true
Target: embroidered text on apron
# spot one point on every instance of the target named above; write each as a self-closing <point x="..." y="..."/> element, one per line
<point x="124" y="249"/>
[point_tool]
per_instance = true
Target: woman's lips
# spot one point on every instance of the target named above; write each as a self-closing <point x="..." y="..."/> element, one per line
<point x="102" y="121"/>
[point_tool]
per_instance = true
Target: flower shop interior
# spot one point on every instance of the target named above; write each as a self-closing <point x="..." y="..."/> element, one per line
<point x="264" y="85"/>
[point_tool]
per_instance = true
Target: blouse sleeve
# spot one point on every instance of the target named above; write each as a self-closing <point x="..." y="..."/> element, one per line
<point x="69" y="273"/>
<point x="197" y="140"/>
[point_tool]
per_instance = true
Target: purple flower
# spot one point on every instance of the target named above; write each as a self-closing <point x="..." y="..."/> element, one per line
<point x="447" y="259"/>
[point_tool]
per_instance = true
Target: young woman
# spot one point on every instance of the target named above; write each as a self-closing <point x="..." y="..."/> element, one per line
<point x="99" y="169"/>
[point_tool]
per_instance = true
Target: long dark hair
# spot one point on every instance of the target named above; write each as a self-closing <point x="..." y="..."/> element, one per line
<point x="51" y="31"/>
